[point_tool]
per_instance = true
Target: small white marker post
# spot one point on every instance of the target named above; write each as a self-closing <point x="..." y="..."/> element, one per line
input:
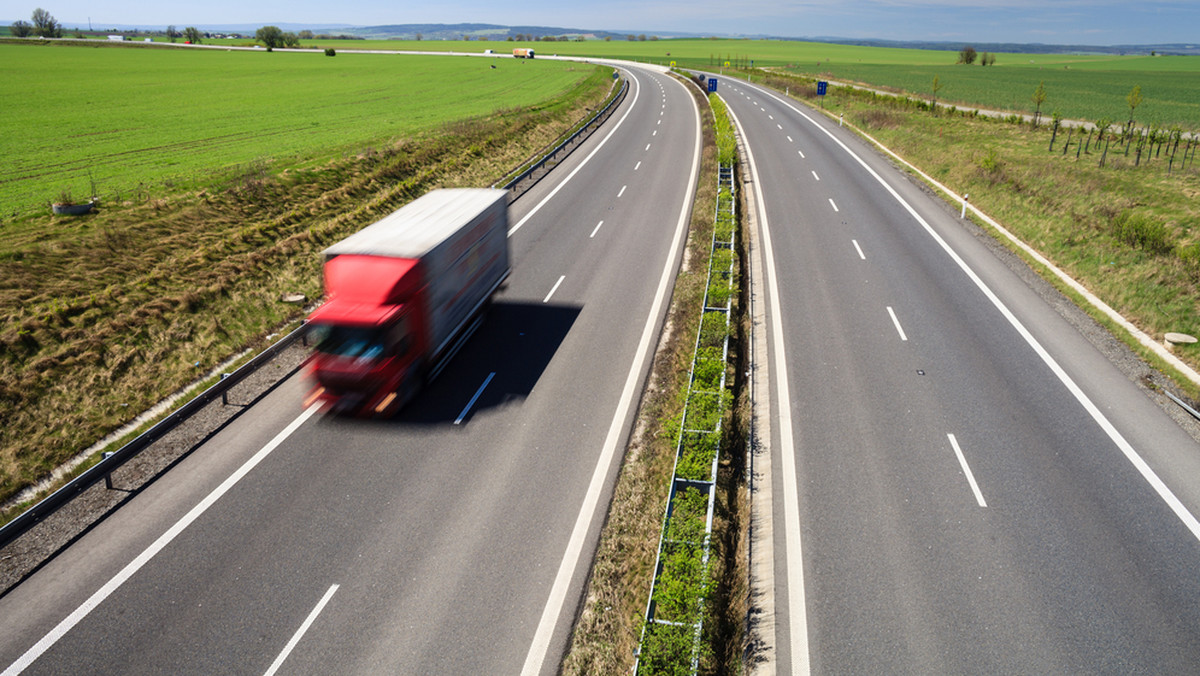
<point x="841" y="116"/>
<point x="964" y="208"/>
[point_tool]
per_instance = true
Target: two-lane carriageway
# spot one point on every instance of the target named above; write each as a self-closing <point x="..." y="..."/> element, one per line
<point x="961" y="482"/>
<point x="453" y="539"/>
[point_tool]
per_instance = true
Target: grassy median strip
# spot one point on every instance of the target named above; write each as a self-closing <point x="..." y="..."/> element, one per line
<point x="107" y="315"/>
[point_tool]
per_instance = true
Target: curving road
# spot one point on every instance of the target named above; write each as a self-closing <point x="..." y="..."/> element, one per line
<point x="960" y="481"/>
<point x="453" y="539"/>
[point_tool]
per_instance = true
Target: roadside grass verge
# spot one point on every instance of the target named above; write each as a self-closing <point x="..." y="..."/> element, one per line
<point x="107" y="315"/>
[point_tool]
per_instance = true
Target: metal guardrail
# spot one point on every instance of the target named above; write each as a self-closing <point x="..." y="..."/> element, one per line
<point x="112" y="461"/>
<point x="553" y="156"/>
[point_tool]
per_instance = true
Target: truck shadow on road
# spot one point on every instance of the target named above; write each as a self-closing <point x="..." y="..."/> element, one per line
<point x="516" y="341"/>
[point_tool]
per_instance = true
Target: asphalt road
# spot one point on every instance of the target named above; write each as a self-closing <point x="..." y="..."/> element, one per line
<point x="961" y="482"/>
<point x="454" y="539"/>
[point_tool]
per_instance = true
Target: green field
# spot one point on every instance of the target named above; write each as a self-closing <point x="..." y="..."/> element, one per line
<point x="1080" y="86"/>
<point x="1085" y="92"/>
<point x="133" y="121"/>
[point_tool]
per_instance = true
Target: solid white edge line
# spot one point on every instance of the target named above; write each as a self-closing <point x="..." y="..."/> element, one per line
<point x="859" y="250"/>
<point x="797" y="614"/>
<point x="478" y="393"/>
<point x="1131" y="454"/>
<point x="150" y="552"/>
<point x="962" y="461"/>
<point x="582" y="164"/>
<point x="896" y="321"/>
<point x="553" y="289"/>
<point x="562" y="580"/>
<point x="291" y="645"/>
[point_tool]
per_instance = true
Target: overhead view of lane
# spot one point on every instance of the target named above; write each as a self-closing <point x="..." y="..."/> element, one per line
<point x="972" y="481"/>
<point x="450" y="539"/>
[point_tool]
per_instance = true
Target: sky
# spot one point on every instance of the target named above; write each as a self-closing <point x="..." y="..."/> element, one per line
<point x="1090" y="22"/>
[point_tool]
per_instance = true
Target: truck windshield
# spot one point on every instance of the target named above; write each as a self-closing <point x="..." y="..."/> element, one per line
<point x="348" y="341"/>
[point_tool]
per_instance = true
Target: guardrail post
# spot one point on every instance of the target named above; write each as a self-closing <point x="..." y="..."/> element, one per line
<point x="225" y="393"/>
<point x="107" y="477"/>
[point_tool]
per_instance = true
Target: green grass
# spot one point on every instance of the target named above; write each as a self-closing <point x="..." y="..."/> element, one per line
<point x="140" y="121"/>
<point x="1081" y="86"/>
<point x="1083" y="93"/>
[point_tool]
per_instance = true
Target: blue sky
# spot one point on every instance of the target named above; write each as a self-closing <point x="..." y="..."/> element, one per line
<point x="1097" y="22"/>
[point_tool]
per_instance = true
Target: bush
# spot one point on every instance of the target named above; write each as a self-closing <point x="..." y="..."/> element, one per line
<point x="991" y="162"/>
<point x="667" y="650"/>
<point x="713" y="329"/>
<point x="706" y="374"/>
<point x="703" y="411"/>
<point x="329" y="51"/>
<point x="1190" y="257"/>
<point x="1142" y="232"/>
<point x="696" y="456"/>
<point x="689" y="515"/>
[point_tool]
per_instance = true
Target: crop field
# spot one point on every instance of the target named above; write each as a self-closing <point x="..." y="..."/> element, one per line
<point x="1087" y="92"/>
<point x="1080" y="86"/>
<point x="127" y="122"/>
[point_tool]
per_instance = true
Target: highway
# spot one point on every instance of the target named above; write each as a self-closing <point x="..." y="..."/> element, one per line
<point x="454" y="539"/>
<point x="960" y="482"/>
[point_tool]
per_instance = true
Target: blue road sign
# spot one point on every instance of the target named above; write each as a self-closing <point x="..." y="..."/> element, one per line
<point x="712" y="84"/>
<point x="821" y="88"/>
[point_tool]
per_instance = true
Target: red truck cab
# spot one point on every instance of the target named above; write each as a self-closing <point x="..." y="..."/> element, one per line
<point x="368" y="335"/>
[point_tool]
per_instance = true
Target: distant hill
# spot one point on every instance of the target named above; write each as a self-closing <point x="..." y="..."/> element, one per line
<point x="476" y="31"/>
<point x="1016" y="47"/>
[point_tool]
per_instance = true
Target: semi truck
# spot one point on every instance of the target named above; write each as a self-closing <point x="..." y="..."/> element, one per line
<point x="401" y="297"/>
<point x="523" y="53"/>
